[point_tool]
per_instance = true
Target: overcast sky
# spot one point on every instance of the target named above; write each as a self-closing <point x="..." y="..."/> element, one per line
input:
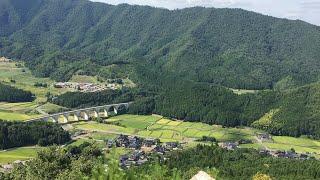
<point x="307" y="10"/>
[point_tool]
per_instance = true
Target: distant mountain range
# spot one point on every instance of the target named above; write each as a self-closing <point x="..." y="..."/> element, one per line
<point x="229" y="47"/>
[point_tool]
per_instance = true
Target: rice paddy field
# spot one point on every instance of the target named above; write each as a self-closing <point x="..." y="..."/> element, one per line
<point x="166" y="130"/>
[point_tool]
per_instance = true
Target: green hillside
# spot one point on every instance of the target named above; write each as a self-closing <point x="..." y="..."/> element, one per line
<point x="298" y="113"/>
<point x="167" y="53"/>
<point x="231" y="47"/>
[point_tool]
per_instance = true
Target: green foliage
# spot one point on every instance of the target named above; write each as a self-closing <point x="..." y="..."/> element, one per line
<point x="142" y="106"/>
<point x="74" y="163"/>
<point x="229" y="47"/>
<point x="298" y="113"/>
<point x="81" y="99"/>
<point x="12" y="94"/>
<point x="17" y="134"/>
<point x="211" y="104"/>
<point x="220" y="163"/>
<point x="242" y="163"/>
<point x="232" y="47"/>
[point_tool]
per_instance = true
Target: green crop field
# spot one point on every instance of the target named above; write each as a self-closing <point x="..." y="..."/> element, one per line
<point x="11" y="116"/>
<point x="103" y="127"/>
<point x="170" y="130"/>
<point x="22" y="153"/>
<point x="301" y="145"/>
<point x="84" y="79"/>
<point x="18" y="107"/>
<point x="25" y="80"/>
<point x="137" y="122"/>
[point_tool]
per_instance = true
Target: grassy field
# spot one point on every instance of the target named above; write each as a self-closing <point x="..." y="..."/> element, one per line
<point x="298" y="144"/>
<point x="84" y="79"/>
<point x="23" y="108"/>
<point x="25" y="80"/>
<point x="167" y="131"/>
<point x="22" y="153"/>
<point x="11" y="116"/>
<point x="170" y="130"/>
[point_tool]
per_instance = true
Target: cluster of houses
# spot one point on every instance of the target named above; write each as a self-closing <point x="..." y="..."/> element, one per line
<point x="3" y="59"/>
<point x="275" y="153"/>
<point x="234" y="145"/>
<point x="84" y="87"/>
<point x="142" y="149"/>
<point x="285" y="154"/>
<point x="229" y="145"/>
<point x="264" y="137"/>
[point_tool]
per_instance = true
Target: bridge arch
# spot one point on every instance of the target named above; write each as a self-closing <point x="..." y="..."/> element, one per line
<point x="85" y="114"/>
<point x="122" y="109"/>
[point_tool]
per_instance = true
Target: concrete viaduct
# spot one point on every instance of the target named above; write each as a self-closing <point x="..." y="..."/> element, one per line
<point x="84" y="114"/>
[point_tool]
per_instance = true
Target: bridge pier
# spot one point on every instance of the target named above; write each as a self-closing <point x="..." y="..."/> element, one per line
<point x="76" y="116"/>
<point x="46" y="119"/>
<point x="85" y="115"/>
<point x="105" y="113"/>
<point x="55" y="118"/>
<point x="65" y="117"/>
<point x="96" y="113"/>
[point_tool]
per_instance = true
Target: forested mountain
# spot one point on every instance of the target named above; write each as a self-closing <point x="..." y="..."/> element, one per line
<point x="231" y="47"/>
<point x="293" y="112"/>
<point x="179" y="58"/>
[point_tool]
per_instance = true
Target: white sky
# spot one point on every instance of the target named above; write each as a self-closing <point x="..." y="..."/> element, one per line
<point x="306" y="10"/>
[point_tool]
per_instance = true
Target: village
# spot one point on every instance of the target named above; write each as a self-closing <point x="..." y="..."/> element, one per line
<point x="86" y="87"/>
<point x="142" y="149"/>
<point x="291" y="154"/>
<point x="4" y="59"/>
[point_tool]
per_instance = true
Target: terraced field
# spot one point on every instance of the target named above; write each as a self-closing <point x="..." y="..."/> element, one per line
<point x="169" y="130"/>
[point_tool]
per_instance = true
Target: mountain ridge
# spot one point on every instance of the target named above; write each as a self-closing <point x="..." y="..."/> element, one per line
<point x="230" y="47"/>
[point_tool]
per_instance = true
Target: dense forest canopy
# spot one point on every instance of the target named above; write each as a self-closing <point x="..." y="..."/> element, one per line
<point x="12" y="94"/>
<point x="89" y="99"/>
<point x="231" y="47"/>
<point x="199" y="48"/>
<point x="293" y="112"/>
<point x="17" y="134"/>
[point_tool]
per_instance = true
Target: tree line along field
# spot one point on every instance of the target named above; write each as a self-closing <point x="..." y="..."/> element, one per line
<point x="23" y="79"/>
<point x="17" y="111"/>
<point x="154" y="126"/>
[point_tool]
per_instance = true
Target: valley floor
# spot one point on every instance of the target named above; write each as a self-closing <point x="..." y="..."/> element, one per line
<point x="155" y="126"/>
